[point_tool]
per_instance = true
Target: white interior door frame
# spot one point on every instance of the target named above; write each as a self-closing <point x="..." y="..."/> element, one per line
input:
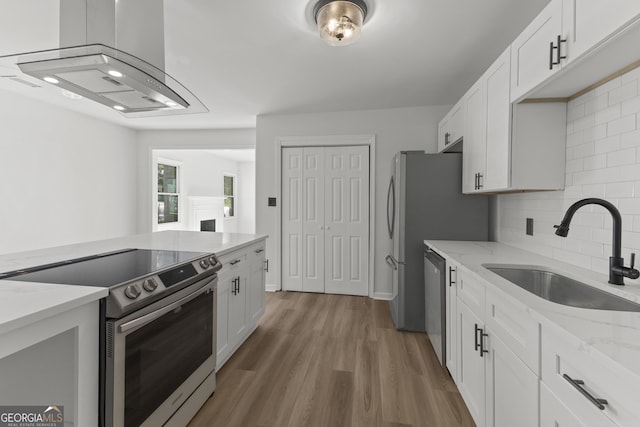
<point x="327" y="141"/>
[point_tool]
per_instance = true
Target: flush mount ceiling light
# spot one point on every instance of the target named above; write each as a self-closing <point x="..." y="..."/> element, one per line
<point x="340" y="21"/>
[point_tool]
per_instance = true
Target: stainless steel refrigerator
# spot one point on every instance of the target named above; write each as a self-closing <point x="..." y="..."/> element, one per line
<point x="425" y="201"/>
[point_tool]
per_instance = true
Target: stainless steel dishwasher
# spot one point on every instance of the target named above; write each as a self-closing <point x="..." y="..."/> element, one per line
<point x="434" y="302"/>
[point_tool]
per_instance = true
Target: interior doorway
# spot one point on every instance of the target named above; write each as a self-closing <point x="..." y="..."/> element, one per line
<point x="203" y="190"/>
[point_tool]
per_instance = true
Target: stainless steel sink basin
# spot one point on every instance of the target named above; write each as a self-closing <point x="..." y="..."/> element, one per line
<point x="561" y="289"/>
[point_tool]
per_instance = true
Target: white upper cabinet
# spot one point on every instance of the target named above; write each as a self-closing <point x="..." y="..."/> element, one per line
<point x="586" y="23"/>
<point x="451" y="127"/>
<point x="536" y="54"/>
<point x="511" y="147"/>
<point x="473" y="157"/>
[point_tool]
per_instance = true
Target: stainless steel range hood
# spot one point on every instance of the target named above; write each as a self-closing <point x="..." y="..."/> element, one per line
<point x="112" y="52"/>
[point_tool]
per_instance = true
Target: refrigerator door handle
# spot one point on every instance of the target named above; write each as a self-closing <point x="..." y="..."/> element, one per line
<point x="391" y="207"/>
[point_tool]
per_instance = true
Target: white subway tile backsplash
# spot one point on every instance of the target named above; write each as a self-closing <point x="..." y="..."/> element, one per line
<point x="595" y="162"/>
<point x="619" y="189"/>
<point x="602" y="160"/>
<point x="624" y="92"/>
<point x="622" y="125"/>
<point x="622" y="157"/>
<point x="594" y="133"/>
<point x="598" y="103"/>
<point x="630" y="139"/>
<point x="608" y="144"/>
<point x="611" y="84"/>
<point x="608" y="114"/>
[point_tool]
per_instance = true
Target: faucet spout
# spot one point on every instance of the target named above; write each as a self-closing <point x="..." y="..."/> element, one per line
<point x="617" y="270"/>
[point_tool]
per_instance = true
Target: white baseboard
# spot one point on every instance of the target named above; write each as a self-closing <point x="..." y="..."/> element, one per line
<point x="270" y="287"/>
<point x="387" y="296"/>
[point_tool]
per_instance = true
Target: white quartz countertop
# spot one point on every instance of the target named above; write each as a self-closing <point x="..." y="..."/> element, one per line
<point x="22" y="303"/>
<point x="610" y="335"/>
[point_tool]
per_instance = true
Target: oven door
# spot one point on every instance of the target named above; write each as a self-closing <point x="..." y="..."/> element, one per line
<point x="158" y="356"/>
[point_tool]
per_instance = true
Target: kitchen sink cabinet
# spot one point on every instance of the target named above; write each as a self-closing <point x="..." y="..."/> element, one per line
<point x="534" y="58"/>
<point x="240" y="298"/>
<point x="451" y="127"/>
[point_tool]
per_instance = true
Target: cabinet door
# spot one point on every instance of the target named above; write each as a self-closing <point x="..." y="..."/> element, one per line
<point x="451" y="324"/>
<point x="531" y="53"/>
<point x="456" y="122"/>
<point x="471" y="364"/>
<point x="586" y="23"/>
<point x="237" y="307"/>
<point x="255" y="291"/>
<point x="554" y="413"/>
<point x="511" y="387"/>
<point x="222" y="329"/>
<point x="474" y="153"/>
<point x="498" y="125"/>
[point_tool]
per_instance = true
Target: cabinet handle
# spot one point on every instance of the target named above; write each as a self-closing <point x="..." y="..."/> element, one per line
<point x="259" y="250"/>
<point x="235" y="261"/>
<point x="559" y="55"/>
<point x="266" y="262"/>
<point x="578" y="385"/>
<point x="480" y="176"/>
<point x="451" y="281"/>
<point x="446" y="138"/>
<point x="238" y="285"/>
<point x="233" y="291"/>
<point x="475" y="183"/>
<point x="477" y="344"/>
<point x="482" y="337"/>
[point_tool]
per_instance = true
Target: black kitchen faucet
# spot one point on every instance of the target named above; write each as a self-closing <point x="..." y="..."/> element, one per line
<point x="617" y="270"/>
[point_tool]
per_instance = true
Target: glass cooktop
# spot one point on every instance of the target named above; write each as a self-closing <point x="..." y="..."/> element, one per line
<point x="104" y="270"/>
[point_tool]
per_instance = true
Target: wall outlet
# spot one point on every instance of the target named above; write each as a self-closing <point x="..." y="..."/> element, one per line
<point x="529" y="226"/>
<point x="271" y="201"/>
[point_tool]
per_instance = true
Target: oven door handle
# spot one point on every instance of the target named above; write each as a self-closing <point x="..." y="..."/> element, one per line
<point x="150" y="317"/>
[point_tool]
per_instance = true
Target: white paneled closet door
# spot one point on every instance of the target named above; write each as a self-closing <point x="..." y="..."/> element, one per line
<point x="347" y="220"/>
<point x="325" y="219"/>
<point x="313" y="220"/>
<point x="292" y="219"/>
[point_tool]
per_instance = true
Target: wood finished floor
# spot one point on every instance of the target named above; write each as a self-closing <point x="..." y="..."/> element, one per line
<point x="331" y="360"/>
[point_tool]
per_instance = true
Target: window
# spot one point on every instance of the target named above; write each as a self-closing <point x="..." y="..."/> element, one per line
<point x="168" y="193"/>
<point x="229" y="196"/>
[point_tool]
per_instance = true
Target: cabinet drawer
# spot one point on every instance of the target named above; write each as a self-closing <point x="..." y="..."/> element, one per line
<point x="233" y="261"/>
<point x="471" y="291"/>
<point x="554" y="413"/>
<point x="257" y="250"/>
<point x="510" y="321"/>
<point x="564" y="358"/>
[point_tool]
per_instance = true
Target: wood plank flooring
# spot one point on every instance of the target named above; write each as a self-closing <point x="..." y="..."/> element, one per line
<point x="332" y="360"/>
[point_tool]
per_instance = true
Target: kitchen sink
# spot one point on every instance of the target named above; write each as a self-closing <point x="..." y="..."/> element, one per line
<point x="561" y="289"/>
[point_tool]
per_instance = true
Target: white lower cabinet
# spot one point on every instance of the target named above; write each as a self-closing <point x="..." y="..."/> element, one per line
<point x="495" y="380"/>
<point x="451" y="323"/>
<point x="554" y="413"/>
<point x="240" y="298"/>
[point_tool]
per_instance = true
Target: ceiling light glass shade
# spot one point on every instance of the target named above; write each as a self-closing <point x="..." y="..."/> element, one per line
<point x="340" y="22"/>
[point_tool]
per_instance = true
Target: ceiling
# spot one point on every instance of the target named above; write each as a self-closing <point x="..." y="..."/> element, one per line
<point x="246" y="58"/>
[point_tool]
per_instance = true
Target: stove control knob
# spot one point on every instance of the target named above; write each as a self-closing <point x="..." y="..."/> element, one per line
<point x="132" y="291"/>
<point x="204" y="263"/>
<point x="213" y="260"/>
<point x="149" y="285"/>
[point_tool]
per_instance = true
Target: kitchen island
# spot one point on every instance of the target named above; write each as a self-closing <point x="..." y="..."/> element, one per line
<point x="49" y="332"/>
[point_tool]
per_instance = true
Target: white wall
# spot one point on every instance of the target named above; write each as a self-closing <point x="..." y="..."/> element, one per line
<point x="247" y="197"/>
<point x="179" y="139"/>
<point x="394" y="130"/>
<point x="603" y="160"/>
<point x="66" y="178"/>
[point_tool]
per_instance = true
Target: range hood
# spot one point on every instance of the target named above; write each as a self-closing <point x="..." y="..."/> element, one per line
<point x="112" y="52"/>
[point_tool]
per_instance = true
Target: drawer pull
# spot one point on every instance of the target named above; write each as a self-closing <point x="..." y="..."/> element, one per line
<point x="578" y="385"/>
<point x="451" y="271"/>
<point x="234" y="262"/>
<point x="259" y="250"/>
